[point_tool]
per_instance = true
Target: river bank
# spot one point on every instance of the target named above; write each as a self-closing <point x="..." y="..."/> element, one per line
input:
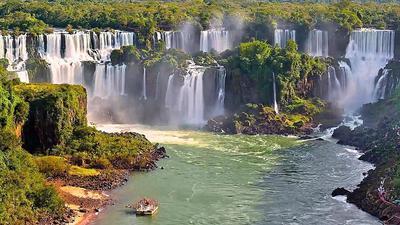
<point x="86" y="196"/>
<point x="378" y="139"/>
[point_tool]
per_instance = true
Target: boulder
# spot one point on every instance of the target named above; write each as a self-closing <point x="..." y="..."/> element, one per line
<point x="340" y="191"/>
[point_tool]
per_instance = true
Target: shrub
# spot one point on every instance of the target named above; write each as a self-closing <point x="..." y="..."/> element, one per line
<point x="83" y="172"/>
<point x="52" y="165"/>
<point x="101" y="163"/>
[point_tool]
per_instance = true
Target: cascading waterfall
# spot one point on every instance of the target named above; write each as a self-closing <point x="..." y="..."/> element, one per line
<point x="317" y="43"/>
<point x="77" y="46"/>
<point x="346" y="72"/>
<point x="66" y="64"/>
<point x="186" y="104"/>
<point x="157" y="86"/>
<point x="217" y="39"/>
<point x="184" y="96"/>
<point x="219" y="106"/>
<point x="368" y="51"/>
<point x="67" y="69"/>
<point x="380" y="87"/>
<point x="109" y="80"/>
<point x="276" y="108"/>
<point x="67" y="54"/>
<point x="334" y="85"/>
<point x="105" y="42"/>
<point x="13" y="48"/>
<point x="170" y="93"/>
<point x="174" y="39"/>
<point x="144" y="91"/>
<point x="282" y="36"/>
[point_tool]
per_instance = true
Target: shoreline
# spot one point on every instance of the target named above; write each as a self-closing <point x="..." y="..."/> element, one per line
<point x="371" y="143"/>
<point x="86" y="197"/>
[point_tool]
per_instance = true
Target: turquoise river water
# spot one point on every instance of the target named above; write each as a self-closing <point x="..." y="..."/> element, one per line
<point x="238" y="179"/>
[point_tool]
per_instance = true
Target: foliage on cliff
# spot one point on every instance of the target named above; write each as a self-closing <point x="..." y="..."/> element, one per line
<point x="89" y="147"/>
<point x="13" y="110"/>
<point x="55" y="110"/>
<point x="24" y="197"/>
<point x="260" y="61"/>
<point x="260" y="119"/>
<point x="56" y="125"/>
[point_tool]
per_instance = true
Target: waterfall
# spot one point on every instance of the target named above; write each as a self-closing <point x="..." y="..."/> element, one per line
<point x="69" y="69"/>
<point x="276" y="109"/>
<point x="219" y="106"/>
<point x="13" y="48"/>
<point x="334" y="86"/>
<point x="346" y="73"/>
<point x="64" y="72"/>
<point x="380" y="87"/>
<point x="317" y="43"/>
<point x="186" y="103"/>
<point x="217" y="39"/>
<point x="157" y="86"/>
<point x="368" y="51"/>
<point x="174" y="39"/>
<point x="171" y="93"/>
<point x="53" y="45"/>
<point x="109" y="80"/>
<point x="191" y="101"/>
<point x="281" y="37"/>
<point x="144" y="92"/>
<point x="66" y="62"/>
<point x="77" y="46"/>
<point x="105" y="42"/>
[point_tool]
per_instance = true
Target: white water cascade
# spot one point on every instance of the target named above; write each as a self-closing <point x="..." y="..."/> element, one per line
<point x="217" y="39"/>
<point x="174" y="39"/>
<point x="276" y="108"/>
<point x="144" y="91"/>
<point x="368" y="51"/>
<point x="345" y="70"/>
<point x="105" y="42"/>
<point x="186" y="103"/>
<point x="380" y="87"/>
<point x="334" y="86"/>
<point x="109" y="81"/>
<point x="13" y="48"/>
<point x="317" y="43"/>
<point x="66" y="64"/>
<point x="219" y="106"/>
<point x="282" y="36"/>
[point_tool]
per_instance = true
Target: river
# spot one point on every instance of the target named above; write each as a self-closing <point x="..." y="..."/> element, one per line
<point x="238" y="179"/>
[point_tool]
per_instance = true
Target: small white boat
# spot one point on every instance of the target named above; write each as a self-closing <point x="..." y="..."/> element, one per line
<point x="145" y="207"/>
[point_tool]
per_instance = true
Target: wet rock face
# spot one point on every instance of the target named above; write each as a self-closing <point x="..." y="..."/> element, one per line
<point x="359" y="137"/>
<point x="239" y="90"/>
<point x="340" y="191"/>
<point x="221" y="124"/>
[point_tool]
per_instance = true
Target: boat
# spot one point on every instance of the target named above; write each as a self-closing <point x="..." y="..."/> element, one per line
<point x="145" y="207"/>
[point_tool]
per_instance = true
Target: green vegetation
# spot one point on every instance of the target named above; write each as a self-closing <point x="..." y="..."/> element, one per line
<point x="258" y="61"/>
<point x="54" y="112"/>
<point x="145" y="17"/>
<point x="25" y="198"/>
<point x="92" y="148"/>
<point x="50" y="121"/>
<point x="52" y="166"/>
<point x="82" y="172"/>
